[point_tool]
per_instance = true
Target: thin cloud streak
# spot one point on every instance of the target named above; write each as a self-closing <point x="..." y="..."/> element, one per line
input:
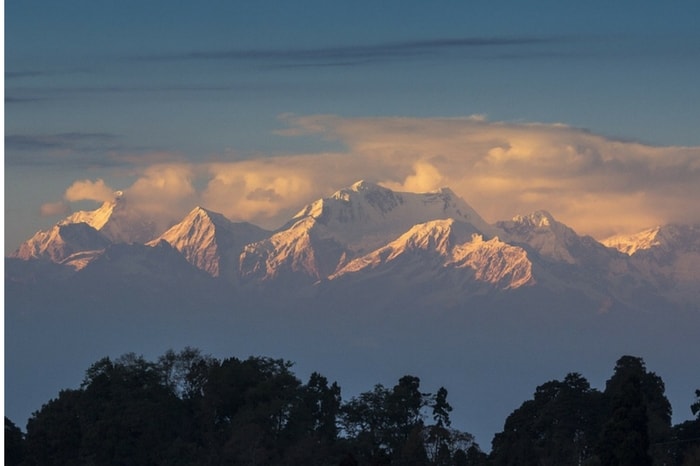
<point x="356" y="54"/>
<point x="72" y="149"/>
<point x="71" y="140"/>
<point x="80" y="150"/>
<point x="27" y="95"/>
<point x="146" y="89"/>
<point x="22" y="100"/>
<point x="40" y="73"/>
<point x="24" y="74"/>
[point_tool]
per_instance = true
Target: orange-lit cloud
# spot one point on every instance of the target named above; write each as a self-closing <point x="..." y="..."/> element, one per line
<point x="89" y="190"/>
<point x="164" y="191"/>
<point x="597" y="185"/>
<point x="269" y="191"/>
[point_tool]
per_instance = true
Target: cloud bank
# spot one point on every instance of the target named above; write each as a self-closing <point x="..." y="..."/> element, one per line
<point x="598" y="185"/>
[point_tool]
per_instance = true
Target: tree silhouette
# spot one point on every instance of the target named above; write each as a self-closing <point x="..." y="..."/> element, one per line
<point x="625" y="438"/>
<point x="14" y="444"/>
<point x="558" y="426"/>
<point x="639" y="415"/>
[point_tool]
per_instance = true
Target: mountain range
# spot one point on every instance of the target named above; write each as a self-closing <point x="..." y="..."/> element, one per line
<point x="364" y="284"/>
<point x="369" y="237"/>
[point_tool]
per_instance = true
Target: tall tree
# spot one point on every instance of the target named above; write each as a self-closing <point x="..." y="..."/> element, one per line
<point x="320" y="407"/>
<point x="404" y="405"/>
<point x="438" y="435"/>
<point x="635" y="397"/>
<point x="387" y="425"/>
<point x="247" y="406"/>
<point x="558" y="426"/>
<point x="365" y="423"/>
<point x="625" y="437"/>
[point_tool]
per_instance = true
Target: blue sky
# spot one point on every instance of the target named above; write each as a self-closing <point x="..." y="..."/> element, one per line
<point x="215" y="102"/>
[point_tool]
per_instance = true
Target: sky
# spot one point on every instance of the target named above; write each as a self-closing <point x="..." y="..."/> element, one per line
<point x="253" y="109"/>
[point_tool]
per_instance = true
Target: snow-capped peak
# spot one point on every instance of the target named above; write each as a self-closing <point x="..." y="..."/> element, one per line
<point x="200" y="214"/>
<point x="99" y="217"/>
<point x="363" y="185"/>
<point x="210" y="241"/>
<point x="118" y="220"/>
<point x="353" y="221"/>
<point x="537" y="222"/>
<point x="360" y="202"/>
<point x="662" y="237"/>
<point x="366" y="215"/>
<point x="542" y="232"/>
<point x="629" y="244"/>
<point x="667" y="256"/>
<point x="441" y="247"/>
<point x="61" y="241"/>
<point x="537" y="219"/>
<point x="196" y="238"/>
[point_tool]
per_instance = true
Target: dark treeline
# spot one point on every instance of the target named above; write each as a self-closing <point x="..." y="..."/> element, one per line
<point x="187" y="408"/>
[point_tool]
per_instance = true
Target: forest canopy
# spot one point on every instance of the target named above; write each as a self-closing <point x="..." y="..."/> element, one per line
<point x="187" y="408"/>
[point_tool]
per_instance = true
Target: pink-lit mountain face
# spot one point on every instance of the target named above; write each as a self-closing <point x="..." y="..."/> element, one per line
<point x="393" y="243"/>
<point x="667" y="257"/>
<point x="210" y="241"/>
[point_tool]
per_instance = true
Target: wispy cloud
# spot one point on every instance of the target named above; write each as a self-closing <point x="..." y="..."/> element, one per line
<point x="40" y="93"/>
<point x="357" y="54"/>
<point x="71" y="140"/>
<point x="75" y="149"/>
<point x="67" y="90"/>
<point x="44" y="72"/>
<point x="24" y="74"/>
<point x="22" y="100"/>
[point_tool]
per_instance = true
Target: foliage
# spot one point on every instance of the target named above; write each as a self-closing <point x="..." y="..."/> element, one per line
<point x="567" y="422"/>
<point x="558" y="426"/>
<point x="189" y="409"/>
<point x="695" y="407"/>
<point x="14" y="444"/>
<point x="388" y="426"/>
<point x="638" y="428"/>
<point x="686" y="437"/>
<point x="625" y="438"/>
